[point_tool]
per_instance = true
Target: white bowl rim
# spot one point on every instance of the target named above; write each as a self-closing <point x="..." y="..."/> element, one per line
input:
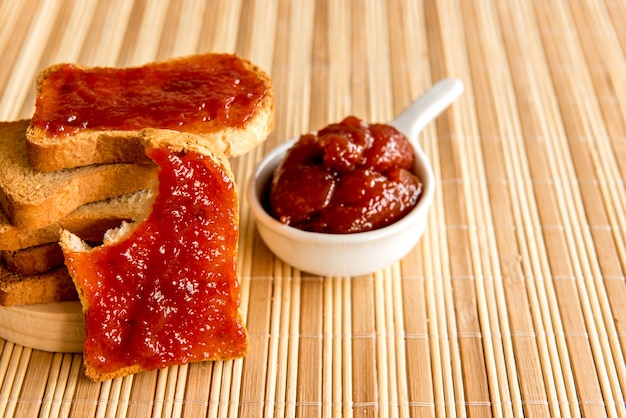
<point x="418" y="212"/>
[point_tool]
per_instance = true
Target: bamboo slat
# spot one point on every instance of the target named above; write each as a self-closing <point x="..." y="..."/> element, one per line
<point x="514" y="301"/>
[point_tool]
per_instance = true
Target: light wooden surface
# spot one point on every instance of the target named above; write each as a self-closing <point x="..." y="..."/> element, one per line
<point x="55" y="326"/>
<point x="513" y="303"/>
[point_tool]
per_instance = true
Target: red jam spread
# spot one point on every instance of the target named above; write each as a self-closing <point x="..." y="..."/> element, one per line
<point x="168" y="294"/>
<point x="197" y="94"/>
<point x="350" y="177"/>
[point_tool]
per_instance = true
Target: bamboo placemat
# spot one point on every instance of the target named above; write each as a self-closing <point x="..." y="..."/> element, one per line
<point x="513" y="303"/>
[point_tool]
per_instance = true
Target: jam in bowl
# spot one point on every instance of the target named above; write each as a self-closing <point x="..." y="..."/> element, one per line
<point x="348" y="177"/>
<point x="353" y="251"/>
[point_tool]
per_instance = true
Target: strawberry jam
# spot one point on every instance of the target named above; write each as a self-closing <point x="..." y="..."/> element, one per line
<point x="350" y="177"/>
<point x="168" y="294"/>
<point x="201" y="93"/>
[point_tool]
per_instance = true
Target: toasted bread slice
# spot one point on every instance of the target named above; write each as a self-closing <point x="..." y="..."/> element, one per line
<point x="34" y="199"/>
<point x="52" y="286"/>
<point x="31" y="269"/>
<point x="89" y="221"/>
<point x="33" y="260"/>
<point x="92" y="115"/>
<point x="177" y="263"/>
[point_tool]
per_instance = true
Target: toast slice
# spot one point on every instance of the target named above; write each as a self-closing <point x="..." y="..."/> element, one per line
<point x="33" y="260"/>
<point x="93" y="115"/>
<point x="164" y="291"/>
<point x="33" y="199"/>
<point x="52" y="286"/>
<point x="31" y="269"/>
<point x="89" y="221"/>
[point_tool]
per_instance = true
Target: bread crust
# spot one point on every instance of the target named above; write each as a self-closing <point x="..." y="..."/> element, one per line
<point x="89" y="146"/>
<point x="84" y="148"/>
<point x="32" y="199"/>
<point x="89" y="221"/>
<point x="33" y="260"/>
<point x="52" y="286"/>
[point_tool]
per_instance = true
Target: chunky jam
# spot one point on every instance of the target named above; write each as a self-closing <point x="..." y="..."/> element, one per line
<point x="349" y="177"/>
<point x="168" y="294"/>
<point x="200" y="93"/>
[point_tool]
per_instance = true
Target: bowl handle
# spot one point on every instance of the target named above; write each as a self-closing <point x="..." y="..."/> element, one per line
<point x="427" y="107"/>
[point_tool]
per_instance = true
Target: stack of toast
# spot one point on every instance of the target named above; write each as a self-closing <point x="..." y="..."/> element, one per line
<point x="36" y="205"/>
<point x="86" y="182"/>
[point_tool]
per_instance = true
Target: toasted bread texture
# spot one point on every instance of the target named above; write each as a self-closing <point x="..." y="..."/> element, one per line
<point x="33" y="199"/>
<point x="215" y="120"/>
<point x="90" y="221"/>
<point x="26" y="289"/>
<point x="178" y="263"/>
<point x="33" y="260"/>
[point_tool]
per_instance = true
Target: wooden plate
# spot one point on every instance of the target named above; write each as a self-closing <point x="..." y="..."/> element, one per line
<point x="55" y="327"/>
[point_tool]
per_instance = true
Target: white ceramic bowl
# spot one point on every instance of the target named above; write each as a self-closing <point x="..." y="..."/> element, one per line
<point x="363" y="252"/>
